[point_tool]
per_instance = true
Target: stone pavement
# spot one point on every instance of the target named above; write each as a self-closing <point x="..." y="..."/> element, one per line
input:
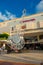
<point x="13" y="63"/>
<point x="27" y="58"/>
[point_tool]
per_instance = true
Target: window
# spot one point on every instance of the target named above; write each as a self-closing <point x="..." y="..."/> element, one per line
<point x="41" y="36"/>
<point x="38" y="24"/>
<point x="31" y="38"/>
<point x="12" y="29"/>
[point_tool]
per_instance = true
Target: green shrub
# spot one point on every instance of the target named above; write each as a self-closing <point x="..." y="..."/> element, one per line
<point x="4" y="36"/>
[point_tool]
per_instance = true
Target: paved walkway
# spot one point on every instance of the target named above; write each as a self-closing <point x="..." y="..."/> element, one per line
<point x="27" y="58"/>
<point x="13" y="63"/>
<point x="23" y="58"/>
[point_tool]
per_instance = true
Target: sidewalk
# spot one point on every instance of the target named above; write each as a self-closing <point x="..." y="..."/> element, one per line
<point x="25" y="58"/>
<point x="14" y="63"/>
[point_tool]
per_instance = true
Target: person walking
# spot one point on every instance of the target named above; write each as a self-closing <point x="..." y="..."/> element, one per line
<point x="0" y="50"/>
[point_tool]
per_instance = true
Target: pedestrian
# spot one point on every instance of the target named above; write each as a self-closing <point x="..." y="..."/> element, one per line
<point x="0" y="50"/>
<point x="3" y="47"/>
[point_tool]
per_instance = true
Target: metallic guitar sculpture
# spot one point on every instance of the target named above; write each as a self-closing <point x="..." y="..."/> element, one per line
<point x="16" y="41"/>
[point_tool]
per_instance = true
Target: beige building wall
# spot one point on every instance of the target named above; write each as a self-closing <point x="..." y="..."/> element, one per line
<point x="18" y="23"/>
<point x="41" y="24"/>
<point x="31" y="25"/>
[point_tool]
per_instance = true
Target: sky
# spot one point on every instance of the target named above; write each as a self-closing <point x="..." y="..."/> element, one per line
<point x="10" y="9"/>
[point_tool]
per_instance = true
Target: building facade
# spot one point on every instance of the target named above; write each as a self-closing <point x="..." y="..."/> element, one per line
<point x="31" y="27"/>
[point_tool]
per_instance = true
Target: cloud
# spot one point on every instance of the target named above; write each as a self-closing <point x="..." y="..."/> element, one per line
<point x="10" y="15"/>
<point x="3" y="16"/>
<point x="7" y="16"/>
<point x="39" y="7"/>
